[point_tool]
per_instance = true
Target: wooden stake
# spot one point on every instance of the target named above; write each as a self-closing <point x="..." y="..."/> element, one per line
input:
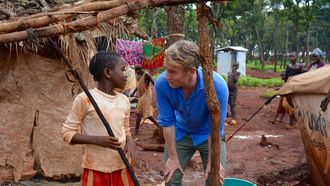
<point x="211" y="97"/>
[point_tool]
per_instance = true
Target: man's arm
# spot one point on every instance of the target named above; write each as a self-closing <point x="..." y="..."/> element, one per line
<point x="167" y="121"/>
<point x="172" y="163"/>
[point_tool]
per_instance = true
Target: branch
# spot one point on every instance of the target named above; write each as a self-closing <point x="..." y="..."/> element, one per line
<point x="210" y="94"/>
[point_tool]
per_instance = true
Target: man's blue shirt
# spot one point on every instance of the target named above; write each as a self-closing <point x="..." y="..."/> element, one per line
<point x="190" y="116"/>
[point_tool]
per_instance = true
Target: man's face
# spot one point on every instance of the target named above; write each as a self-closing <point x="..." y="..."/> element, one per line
<point x="315" y="58"/>
<point x="293" y="58"/>
<point x="234" y="67"/>
<point x="178" y="77"/>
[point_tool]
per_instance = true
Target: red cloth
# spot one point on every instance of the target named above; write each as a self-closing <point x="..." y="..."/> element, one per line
<point x="117" y="178"/>
<point x="157" y="55"/>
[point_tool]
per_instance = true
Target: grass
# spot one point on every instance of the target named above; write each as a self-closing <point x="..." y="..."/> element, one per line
<point x="251" y="65"/>
<point x="248" y="81"/>
<point x="268" y="94"/>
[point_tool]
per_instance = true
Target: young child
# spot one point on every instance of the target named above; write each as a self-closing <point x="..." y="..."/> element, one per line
<point x="233" y="78"/>
<point x="144" y="108"/>
<point x="101" y="161"/>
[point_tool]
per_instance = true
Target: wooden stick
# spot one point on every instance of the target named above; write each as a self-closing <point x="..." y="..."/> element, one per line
<point x="90" y="21"/>
<point x="210" y="94"/>
<point x="42" y="19"/>
<point x="64" y="13"/>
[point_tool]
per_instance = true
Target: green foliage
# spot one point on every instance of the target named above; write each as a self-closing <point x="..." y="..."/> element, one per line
<point x="252" y="66"/>
<point x="258" y="82"/>
<point x="268" y="94"/>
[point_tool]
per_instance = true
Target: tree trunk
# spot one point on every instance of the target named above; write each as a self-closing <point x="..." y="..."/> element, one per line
<point x="261" y="50"/>
<point x="211" y="97"/>
<point x="175" y="23"/>
<point x="146" y="21"/>
<point x="217" y="11"/>
<point x="276" y="45"/>
<point x="296" y="32"/>
<point x="307" y="42"/>
<point x="154" y="23"/>
<point x="283" y="65"/>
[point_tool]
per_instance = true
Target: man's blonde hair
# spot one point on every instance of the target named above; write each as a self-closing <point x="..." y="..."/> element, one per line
<point x="183" y="54"/>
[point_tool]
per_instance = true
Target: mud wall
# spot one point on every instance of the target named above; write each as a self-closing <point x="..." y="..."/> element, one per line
<point x="35" y="98"/>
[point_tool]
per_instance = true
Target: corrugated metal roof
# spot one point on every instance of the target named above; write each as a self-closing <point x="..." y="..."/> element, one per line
<point x="233" y="48"/>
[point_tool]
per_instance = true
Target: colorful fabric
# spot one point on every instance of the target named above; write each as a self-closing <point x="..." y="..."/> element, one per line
<point x="131" y="51"/>
<point x="96" y="178"/>
<point x="153" y="53"/>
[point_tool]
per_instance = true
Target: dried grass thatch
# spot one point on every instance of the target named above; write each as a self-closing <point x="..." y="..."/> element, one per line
<point x="9" y="9"/>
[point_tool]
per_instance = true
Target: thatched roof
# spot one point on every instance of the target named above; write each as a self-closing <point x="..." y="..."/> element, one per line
<point x="17" y="8"/>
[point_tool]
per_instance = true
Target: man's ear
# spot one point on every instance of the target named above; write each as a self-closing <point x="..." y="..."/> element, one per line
<point x="107" y="73"/>
<point x="193" y="70"/>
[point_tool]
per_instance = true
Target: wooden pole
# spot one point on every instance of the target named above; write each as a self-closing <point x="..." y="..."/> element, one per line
<point x="45" y="18"/>
<point x="211" y="96"/>
<point x="90" y="21"/>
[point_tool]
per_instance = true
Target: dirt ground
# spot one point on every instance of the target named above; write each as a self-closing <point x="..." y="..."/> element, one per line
<point x="246" y="159"/>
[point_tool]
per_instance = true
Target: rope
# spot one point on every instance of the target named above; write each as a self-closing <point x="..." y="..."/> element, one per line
<point x="266" y="103"/>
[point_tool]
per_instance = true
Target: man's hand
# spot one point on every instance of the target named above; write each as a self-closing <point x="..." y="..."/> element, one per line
<point x="107" y="142"/>
<point x="208" y="169"/>
<point x="170" y="167"/>
<point x="130" y="148"/>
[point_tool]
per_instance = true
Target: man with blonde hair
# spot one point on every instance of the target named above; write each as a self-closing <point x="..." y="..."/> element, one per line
<point x="183" y="111"/>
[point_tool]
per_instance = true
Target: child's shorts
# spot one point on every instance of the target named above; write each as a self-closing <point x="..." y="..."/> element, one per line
<point x="96" y="178"/>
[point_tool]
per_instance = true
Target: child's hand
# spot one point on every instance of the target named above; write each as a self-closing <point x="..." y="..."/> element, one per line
<point x="107" y="142"/>
<point x="130" y="148"/>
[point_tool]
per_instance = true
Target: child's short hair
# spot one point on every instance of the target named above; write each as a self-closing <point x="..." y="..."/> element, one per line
<point x="102" y="60"/>
<point x="236" y="64"/>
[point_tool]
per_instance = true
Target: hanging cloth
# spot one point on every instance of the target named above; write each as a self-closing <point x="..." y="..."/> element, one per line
<point x="130" y="51"/>
<point x="153" y="53"/>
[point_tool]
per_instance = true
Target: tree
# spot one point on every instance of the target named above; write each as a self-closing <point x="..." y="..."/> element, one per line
<point x="176" y="25"/>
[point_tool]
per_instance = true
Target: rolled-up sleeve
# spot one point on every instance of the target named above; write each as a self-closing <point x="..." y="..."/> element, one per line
<point x="166" y="114"/>
<point x="73" y="122"/>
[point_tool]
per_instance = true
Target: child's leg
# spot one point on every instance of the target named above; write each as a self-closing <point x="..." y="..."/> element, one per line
<point x="137" y="124"/>
<point x="230" y="99"/>
<point x="153" y="119"/>
<point x="233" y="104"/>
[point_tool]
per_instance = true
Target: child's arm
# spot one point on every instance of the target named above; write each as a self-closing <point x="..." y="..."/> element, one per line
<point x="103" y="141"/>
<point x="130" y="147"/>
<point x="235" y="76"/>
<point x="71" y="127"/>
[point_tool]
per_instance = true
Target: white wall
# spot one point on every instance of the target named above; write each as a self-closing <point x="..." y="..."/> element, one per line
<point x="225" y="60"/>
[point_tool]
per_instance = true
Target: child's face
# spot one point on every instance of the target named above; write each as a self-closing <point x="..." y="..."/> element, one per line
<point x="118" y="77"/>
